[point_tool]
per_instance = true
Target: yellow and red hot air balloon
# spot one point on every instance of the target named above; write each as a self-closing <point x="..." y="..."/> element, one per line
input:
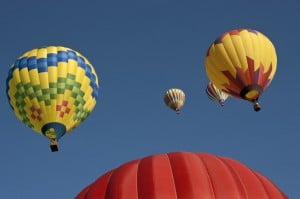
<point x="215" y="94"/>
<point x="52" y="90"/>
<point x="242" y="63"/>
<point x="175" y="99"/>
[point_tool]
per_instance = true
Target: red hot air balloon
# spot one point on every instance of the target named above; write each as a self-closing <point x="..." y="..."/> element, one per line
<point x="182" y="175"/>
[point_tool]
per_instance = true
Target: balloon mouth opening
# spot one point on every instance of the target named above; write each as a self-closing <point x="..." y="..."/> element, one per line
<point x="177" y="110"/>
<point x="222" y="102"/>
<point x="54" y="130"/>
<point x="251" y="93"/>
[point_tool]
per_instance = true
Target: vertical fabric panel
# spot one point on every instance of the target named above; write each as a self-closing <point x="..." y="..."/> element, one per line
<point x="123" y="182"/>
<point x="155" y="178"/>
<point x="190" y="176"/>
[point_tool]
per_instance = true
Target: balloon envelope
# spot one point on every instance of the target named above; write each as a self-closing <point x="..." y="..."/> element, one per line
<point x="242" y="63"/>
<point x="182" y="175"/>
<point x="52" y="89"/>
<point x="175" y="99"/>
<point x="215" y="94"/>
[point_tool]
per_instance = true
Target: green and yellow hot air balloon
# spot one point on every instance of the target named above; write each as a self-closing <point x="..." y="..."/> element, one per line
<point x="52" y="90"/>
<point x="242" y="63"/>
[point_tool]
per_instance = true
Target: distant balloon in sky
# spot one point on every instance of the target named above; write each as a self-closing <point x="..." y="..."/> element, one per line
<point x="52" y="90"/>
<point x="215" y="94"/>
<point x="242" y="63"/>
<point x="182" y="175"/>
<point x="174" y="98"/>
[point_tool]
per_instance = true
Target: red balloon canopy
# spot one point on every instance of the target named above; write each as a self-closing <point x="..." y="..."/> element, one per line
<point x="182" y="175"/>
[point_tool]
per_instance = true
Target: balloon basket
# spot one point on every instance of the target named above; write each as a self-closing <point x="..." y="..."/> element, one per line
<point x="54" y="145"/>
<point x="256" y="107"/>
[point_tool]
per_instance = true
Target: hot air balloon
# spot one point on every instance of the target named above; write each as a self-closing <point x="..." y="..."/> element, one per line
<point x="242" y="63"/>
<point x="52" y="90"/>
<point x="215" y="94"/>
<point x="182" y="175"/>
<point x="174" y="98"/>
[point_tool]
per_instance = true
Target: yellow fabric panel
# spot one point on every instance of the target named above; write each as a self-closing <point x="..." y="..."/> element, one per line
<point x="31" y="53"/>
<point x="41" y="53"/>
<point x="80" y="74"/>
<point x="230" y="50"/>
<point x="223" y="58"/>
<point x="256" y="50"/>
<point x="51" y="49"/>
<point x="72" y="66"/>
<point x="16" y="75"/>
<point x="270" y="55"/>
<point x="34" y="77"/>
<point x="263" y="54"/>
<point x="71" y="125"/>
<point x="61" y="48"/>
<point x="43" y="80"/>
<point x="52" y="73"/>
<point x="24" y="76"/>
<point x="46" y="112"/>
<point x="62" y="69"/>
<point x="274" y="61"/>
<point x="213" y="66"/>
<point x="240" y="51"/>
<point x="247" y="43"/>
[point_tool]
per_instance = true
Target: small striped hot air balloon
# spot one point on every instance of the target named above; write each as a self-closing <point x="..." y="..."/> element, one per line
<point x="242" y="63"/>
<point x="175" y="99"/>
<point x="215" y="94"/>
<point x="52" y="90"/>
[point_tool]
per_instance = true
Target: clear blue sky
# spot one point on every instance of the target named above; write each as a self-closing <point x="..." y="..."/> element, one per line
<point x="139" y="50"/>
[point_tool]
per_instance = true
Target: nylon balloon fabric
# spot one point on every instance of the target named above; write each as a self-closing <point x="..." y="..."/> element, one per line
<point x="175" y="99"/>
<point x="215" y="94"/>
<point x="182" y="175"/>
<point x="52" y="89"/>
<point x="242" y="63"/>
